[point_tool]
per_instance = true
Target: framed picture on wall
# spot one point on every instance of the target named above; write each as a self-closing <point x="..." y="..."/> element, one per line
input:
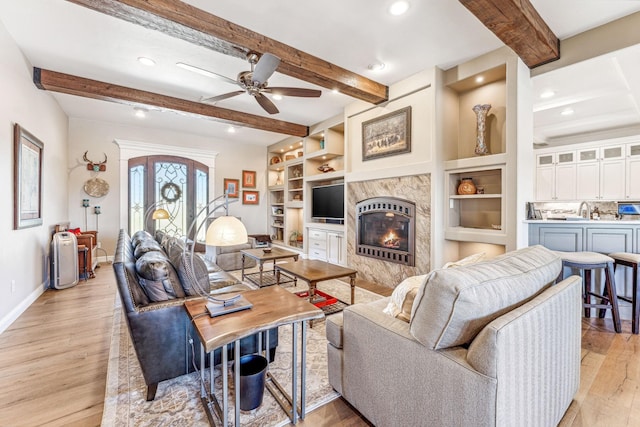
<point x="249" y="179"/>
<point x="387" y="135"/>
<point x="27" y="181"/>
<point x="250" y="197"/>
<point x="231" y="187"/>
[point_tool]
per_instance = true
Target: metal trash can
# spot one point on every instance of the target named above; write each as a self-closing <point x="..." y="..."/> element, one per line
<point x="253" y="370"/>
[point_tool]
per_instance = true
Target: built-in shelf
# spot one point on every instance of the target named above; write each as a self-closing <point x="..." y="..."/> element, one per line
<point x="294" y="166"/>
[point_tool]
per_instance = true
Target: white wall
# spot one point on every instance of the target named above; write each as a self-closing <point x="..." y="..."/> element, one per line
<point x="98" y="137"/>
<point x="417" y="92"/>
<point x="24" y="253"/>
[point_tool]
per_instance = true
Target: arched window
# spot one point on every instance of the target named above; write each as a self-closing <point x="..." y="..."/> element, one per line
<point x="177" y="184"/>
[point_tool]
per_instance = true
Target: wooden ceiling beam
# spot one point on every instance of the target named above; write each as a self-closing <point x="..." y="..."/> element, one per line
<point x="519" y="26"/>
<point x="74" y="85"/>
<point x="196" y="26"/>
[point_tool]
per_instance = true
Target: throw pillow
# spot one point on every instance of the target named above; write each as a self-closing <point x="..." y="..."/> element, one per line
<point x="158" y="278"/>
<point x="147" y="246"/>
<point x="139" y="236"/>
<point x="402" y="297"/>
<point x="181" y="261"/>
<point x="75" y="231"/>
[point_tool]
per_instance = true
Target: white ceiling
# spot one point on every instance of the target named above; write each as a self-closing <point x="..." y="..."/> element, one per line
<point x="602" y="93"/>
<point x="61" y="36"/>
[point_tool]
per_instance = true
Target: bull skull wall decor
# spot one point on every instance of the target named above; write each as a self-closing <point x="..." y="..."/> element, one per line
<point x="95" y="166"/>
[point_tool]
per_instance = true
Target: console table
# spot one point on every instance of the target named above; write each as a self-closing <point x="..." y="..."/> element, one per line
<point x="272" y="307"/>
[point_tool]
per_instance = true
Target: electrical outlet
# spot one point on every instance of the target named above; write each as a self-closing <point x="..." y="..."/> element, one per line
<point x="13" y="286"/>
<point x="99" y="245"/>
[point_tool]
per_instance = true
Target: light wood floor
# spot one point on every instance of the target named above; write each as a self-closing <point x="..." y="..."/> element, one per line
<point x="53" y="365"/>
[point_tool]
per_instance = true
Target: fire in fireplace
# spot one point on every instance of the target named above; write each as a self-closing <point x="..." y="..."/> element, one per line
<point x="385" y="229"/>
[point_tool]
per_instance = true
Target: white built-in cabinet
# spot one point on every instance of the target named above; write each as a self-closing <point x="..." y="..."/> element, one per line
<point x="556" y="176"/>
<point x="590" y="173"/>
<point x="326" y="246"/>
<point x="632" y="162"/>
<point x="601" y="173"/>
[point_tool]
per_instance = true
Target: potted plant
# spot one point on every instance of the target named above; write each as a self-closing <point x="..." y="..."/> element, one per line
<point x="295" y="238"/>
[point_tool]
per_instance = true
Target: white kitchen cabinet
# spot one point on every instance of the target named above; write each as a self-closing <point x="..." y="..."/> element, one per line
<point x="632" y="173"/>
<point x="590" y="173"/>
<point x="556" y="176"/>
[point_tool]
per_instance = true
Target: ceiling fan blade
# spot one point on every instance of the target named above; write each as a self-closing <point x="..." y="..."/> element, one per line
<point x="206" y="73"/>
<point x="294" y="91"/>
<point x="266" y="103"/>
<point x="265" y="67"/>
<point x="213" y="99"/>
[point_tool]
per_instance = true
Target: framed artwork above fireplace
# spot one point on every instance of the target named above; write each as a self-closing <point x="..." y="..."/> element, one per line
<point x="387" y="135"/>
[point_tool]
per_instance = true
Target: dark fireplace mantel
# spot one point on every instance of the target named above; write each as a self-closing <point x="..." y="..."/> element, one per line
<point x="385" y="229"/>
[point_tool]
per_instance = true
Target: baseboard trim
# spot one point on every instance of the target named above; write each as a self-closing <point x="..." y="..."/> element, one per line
<point x="11" y="317"/>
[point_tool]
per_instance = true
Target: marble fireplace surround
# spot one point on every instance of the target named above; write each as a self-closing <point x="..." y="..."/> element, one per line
<point x="416" y="188"/>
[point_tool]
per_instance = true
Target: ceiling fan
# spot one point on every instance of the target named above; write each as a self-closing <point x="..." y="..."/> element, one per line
<point x="254" y="82"/>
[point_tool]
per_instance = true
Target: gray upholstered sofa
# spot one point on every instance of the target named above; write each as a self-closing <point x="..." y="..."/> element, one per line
<point x="496" y="343"/>
<point x="153" y="292"/>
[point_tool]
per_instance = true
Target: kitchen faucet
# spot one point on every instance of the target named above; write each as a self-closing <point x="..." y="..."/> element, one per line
<point x="588" y="212"/>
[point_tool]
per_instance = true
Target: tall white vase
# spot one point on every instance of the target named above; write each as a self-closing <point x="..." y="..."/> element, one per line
<point x="481" y="111"/>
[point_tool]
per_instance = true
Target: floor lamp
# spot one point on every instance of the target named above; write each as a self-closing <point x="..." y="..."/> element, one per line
<point x="224" y="231"/>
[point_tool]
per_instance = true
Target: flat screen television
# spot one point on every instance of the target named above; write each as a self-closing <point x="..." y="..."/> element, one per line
<point x="327" y="202"/>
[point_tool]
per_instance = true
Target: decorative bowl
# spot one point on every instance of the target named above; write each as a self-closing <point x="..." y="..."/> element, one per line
<point x="266" y="250"/>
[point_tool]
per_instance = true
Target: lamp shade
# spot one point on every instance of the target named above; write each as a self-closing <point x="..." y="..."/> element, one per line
<point x="160" y="214"/>
<point x="226" y="231"/>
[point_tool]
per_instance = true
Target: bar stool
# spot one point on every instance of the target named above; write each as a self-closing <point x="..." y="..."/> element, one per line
<point x="587" y="261"/>
<point x="627" y="259"/>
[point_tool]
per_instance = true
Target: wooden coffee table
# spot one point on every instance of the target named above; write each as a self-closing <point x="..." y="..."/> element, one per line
<point x="266" y="278"/>
<point x="216" y="332"/>
<point x="313" y="271"/>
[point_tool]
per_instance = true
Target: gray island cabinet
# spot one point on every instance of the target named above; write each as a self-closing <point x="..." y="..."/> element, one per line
<point x="594" y="236"/>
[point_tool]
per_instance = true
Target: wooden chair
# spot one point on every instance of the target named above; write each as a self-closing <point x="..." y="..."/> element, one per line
<point x="586" y="262"/>
<point x="626" y="259"/>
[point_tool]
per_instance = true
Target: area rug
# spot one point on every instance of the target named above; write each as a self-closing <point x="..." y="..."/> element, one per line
<point x="177" y="401"/>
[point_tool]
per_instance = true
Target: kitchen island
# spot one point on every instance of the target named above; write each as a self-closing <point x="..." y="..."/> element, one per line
<point x="603" y="236"/>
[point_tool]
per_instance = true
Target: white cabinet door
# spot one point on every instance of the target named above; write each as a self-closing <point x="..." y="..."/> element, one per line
<point x="612" y="179"/>
<point x="588" y="181"/>
<point x="334" y="248"/>
<point x="565" y="182"/>
<point x="545" y="183"/>
<point x="633" y="172"/>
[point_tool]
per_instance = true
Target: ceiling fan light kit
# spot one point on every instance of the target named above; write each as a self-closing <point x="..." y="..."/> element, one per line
<point x="254" y="82"/>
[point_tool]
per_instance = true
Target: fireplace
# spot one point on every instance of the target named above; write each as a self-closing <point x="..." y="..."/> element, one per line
<point x="385" y="229"/>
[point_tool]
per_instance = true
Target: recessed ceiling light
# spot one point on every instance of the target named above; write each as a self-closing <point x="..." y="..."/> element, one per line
<point x="376" y="66"/>
<point x="567" y="112"/>
<point x="282" y="150"/>
<point x="335" y="91"/>
<point x="479" y="79"/>
<point x="140" y="113"/>
<point x="231" y="129"/>
<point x="277" y="96"/>
<point x="547" y="94"/>
<point x="399" y="7"/>
<point x="146" y="61"/>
